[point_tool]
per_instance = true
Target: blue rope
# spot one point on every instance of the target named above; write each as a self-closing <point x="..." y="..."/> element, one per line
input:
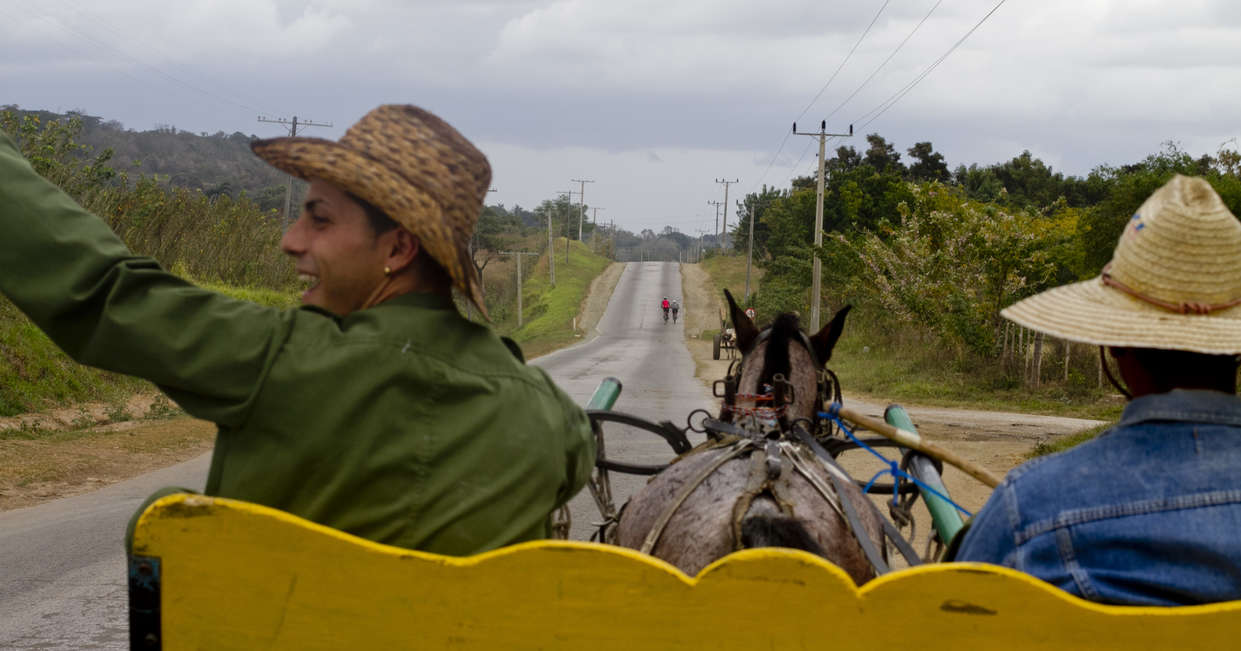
<point x="893" y="468"/>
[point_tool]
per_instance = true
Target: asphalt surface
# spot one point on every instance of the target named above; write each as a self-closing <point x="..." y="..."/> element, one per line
<point x="62" y="567"/>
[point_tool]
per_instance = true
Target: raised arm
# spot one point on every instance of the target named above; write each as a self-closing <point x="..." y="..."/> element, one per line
<point x="107" y="307"/>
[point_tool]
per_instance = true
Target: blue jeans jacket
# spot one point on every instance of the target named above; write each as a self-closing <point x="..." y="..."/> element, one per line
<point x="1147" y="513"/>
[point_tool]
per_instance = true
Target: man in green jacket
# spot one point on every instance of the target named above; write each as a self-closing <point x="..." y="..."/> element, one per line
<point x="376" y="408"/>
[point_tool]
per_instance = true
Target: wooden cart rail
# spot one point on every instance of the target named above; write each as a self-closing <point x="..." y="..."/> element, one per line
<point x="211" y="573"/>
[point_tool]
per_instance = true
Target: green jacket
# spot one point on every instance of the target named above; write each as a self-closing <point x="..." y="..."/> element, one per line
<point x="404" y="423"/>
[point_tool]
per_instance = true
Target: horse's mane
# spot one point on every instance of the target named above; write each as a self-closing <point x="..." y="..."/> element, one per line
<point x="776" y="357"/>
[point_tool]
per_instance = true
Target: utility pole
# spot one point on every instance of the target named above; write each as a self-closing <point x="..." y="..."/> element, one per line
<point x="822" y="135"/>
<point x="749" y="255"/>
<point x="724" y="231"/>
<point x="594" y="219"/>
<point x="292" y="126"/>
<point x="551" y="251"/>
<point x="518" y="254"/>
<point x="568" y="194"/>
<point x="717" y="205"/>
<point x="581" y="203"/>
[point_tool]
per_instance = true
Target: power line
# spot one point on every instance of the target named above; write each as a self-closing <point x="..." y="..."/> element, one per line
<point x="292" y="126"/>
<point x="883" y="106"/>
<point x="885" y="61"/>
<point x="172" y="79"/>
<point x="119" y="35"/>
<point x="896" y="97"/>
<point x="843" y="62"/>
<point x="840" y="67"/>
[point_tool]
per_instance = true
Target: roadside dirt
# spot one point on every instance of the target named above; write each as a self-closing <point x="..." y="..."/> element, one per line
<point x="597" y="297"/>
<point x="42" y="465"/>
<point x="996" y="440"/>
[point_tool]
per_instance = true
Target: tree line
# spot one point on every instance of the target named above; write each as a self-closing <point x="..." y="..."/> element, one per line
<point x="930" y="254"/>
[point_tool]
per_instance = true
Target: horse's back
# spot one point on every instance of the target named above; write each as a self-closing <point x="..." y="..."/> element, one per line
<point x="708" y="524"/>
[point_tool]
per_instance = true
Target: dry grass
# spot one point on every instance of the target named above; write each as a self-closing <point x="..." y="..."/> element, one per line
<point x="64" y="463"/>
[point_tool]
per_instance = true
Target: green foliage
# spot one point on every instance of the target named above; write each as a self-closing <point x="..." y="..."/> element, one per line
<point x="215" y="164"/>
<point x="929" y="164"/>
<point x="35" y="374"/>
<point x="217" y="238"/>
<point x="951" y="264"/>
<point x="549" y="312"/>
<point x="755" y="204"/>
<point x="1066" y="442"/>
<point x="1128" y="188"/>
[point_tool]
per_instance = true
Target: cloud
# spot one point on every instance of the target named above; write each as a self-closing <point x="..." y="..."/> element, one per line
<point x="691" y="83"/>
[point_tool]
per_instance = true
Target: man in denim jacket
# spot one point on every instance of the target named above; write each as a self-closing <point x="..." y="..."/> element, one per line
<point x="1148" y="513"/>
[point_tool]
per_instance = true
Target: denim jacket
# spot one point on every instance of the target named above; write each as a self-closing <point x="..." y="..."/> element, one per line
<point x="1148" y="513"/>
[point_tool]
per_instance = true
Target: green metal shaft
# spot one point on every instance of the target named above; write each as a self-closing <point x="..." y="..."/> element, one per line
<point x="606" y="394"/>
<point x="944" y="515"/>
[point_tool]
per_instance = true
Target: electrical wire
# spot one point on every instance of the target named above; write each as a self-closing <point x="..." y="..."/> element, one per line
<point x="73" y="8"/>
<point x="822" y="90"/>
<point x="169" y="78"/>
<point x="883" y="106"/>
<point x="885" y="61"/>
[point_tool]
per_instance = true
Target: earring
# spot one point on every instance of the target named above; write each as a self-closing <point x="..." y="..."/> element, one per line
<point x="387" y="271"/>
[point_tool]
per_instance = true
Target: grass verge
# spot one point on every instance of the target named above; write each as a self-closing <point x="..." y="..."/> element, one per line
<point x="549" y="312"/>
<point x="879" y="365"/>
<point x="728" y="272"/>
<point x="36" y="375"/>
<point x="1065" y="442"/>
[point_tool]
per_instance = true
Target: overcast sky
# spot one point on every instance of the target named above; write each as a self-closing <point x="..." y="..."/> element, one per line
<point x="653" y="99"/>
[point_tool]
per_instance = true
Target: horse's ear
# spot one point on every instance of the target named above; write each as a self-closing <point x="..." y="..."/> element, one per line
<point x="825" y="340"/>
<point x="746" y="332"/>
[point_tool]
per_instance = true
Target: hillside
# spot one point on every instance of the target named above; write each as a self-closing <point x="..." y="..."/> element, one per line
<point x="216" y="163"/>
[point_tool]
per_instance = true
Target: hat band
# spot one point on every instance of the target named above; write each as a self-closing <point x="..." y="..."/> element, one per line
<point x="1190" y="307"/>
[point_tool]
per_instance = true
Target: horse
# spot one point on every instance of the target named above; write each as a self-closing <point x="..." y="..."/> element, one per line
<point x="753" y="484"/>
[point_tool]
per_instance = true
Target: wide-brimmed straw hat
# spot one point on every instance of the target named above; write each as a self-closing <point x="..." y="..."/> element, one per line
<point x="413" y="166"/>
<point x="1174" y="282"/>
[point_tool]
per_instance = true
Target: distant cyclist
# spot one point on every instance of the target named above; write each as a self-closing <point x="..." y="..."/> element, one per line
<point x="665" y="305"/>
<point x="676" y="307"/>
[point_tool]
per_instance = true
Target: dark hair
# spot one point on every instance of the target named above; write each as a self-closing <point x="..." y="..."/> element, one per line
<point x="380" y="221"/>
<point x="428" y="267"/>
<point x="1177" y="362"/>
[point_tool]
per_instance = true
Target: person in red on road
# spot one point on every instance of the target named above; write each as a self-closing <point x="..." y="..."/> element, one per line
<point x="665" y="307"/>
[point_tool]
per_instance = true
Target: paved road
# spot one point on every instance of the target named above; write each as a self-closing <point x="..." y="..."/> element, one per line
<point x="649" y="356"/>
<point x="61" y="564"/>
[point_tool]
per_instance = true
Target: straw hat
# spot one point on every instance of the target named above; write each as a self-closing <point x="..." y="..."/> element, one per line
<point x="413" y="166"/>
<point x="1174" y="282"/>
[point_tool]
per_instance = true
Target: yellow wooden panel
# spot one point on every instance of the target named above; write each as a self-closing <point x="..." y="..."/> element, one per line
<point x="242" y="576"/>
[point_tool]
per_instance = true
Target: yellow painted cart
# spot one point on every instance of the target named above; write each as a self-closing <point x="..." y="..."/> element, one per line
<point x="212" y="573"/>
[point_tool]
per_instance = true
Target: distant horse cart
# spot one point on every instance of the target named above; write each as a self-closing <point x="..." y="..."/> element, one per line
<point x="725" y="339"/>
<point x="699" y="557"/>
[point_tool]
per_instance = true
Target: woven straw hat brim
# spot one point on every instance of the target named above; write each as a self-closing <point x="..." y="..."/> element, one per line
<point x="1092" y="313"/>
<point x="406" y="203"/>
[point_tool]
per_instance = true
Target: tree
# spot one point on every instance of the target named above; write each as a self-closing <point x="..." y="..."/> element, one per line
<point x="755" y="203"/>
<point x="882" y="156"/>
<point x="1029" y="181"/>
<point x="846" y="159"/>
<point x="1130" y="185"/>
<point x="929" y="164"/>
<point x="493" y="232"/>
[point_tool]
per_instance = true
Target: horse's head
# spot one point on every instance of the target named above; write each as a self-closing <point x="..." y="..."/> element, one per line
<point x="783" y="349"/>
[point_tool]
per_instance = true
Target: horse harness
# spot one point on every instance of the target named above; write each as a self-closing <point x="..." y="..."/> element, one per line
<point x="777" y="446"/>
